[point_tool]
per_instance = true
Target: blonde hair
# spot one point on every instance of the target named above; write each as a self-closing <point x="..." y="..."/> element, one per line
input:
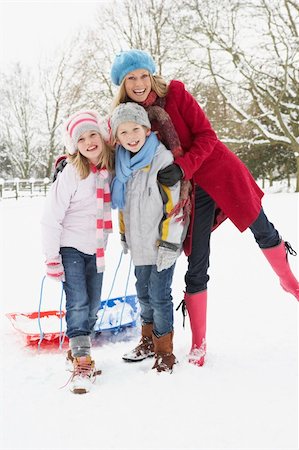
<point x="82" y="164"/>
<point x="159" y="85"/>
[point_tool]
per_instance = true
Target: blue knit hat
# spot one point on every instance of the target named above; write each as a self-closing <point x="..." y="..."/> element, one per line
<point x="129" y="60"/>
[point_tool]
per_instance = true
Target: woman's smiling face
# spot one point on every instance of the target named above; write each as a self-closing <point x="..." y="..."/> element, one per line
<point x="138" y="85"/>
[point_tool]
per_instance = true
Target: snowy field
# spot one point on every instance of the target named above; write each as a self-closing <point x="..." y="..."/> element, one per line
<point x="245" y="397"/>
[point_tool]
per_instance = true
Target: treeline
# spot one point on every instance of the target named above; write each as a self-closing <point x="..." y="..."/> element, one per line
<point x="239" y="59"/>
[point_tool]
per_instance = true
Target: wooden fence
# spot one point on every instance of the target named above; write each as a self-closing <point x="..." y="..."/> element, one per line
<point x="17" y="188"/>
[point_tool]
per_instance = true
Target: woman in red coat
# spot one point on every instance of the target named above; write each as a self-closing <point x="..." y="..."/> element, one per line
<point x="222" y="186"/>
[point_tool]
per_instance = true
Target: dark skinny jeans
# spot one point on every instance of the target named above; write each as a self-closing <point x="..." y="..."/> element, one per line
<point x="196" y="278"/>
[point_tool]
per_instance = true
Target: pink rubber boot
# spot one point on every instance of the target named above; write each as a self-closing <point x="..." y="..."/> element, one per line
<point x="278" y="258"/>
<point x="196" y="305"/>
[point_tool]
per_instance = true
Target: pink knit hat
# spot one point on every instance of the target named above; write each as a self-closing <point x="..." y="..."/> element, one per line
<point x="77" y="124"/>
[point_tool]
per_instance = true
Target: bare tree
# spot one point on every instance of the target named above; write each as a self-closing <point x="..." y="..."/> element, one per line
<point x="63" y="84"/>
<point x="251" y="52"/>
<point x="18" y="123"/>
<point x="141" y="24"/>
<point x="96" y="55"/>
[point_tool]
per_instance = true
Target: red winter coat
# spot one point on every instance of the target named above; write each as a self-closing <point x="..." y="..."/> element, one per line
<point x="210" y="163"/>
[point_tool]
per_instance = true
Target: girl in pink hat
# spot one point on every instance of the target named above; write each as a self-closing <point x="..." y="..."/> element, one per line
<point x="75" y="227"/>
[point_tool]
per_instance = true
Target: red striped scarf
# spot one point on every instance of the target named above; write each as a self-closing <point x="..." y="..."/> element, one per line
<point x="103" y="217"/>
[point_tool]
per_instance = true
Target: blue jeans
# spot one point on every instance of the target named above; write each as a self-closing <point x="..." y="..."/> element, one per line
<point x="196" y="278"/>
<point x="82" y="286"/>
<point x="154" y="294"/>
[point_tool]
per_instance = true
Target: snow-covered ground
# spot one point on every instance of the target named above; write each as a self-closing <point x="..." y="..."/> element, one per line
<point x="245" y="397"/>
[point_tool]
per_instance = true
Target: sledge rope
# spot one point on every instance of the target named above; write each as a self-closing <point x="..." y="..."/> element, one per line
<point x="109" y="295"/>
<point x="41" y="333"/>
<point x="115" y="273"/>
<point x="124" y="303"/>
<point x="61" y="333"/>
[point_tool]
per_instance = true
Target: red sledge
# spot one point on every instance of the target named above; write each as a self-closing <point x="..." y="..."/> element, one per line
<point x="28" y="325"/>
<point x="47" y="328"/>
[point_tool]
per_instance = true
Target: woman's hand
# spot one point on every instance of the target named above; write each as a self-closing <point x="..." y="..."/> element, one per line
<point x="170" y="175"/>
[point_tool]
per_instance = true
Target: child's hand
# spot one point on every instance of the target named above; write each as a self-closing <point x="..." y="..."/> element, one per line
<point x="55" y="270"/>
<point x="166" y="258"/>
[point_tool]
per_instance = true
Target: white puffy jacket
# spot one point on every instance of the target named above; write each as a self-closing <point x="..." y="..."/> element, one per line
<point x="144" y="218"/>
<point x="69" y="217"/>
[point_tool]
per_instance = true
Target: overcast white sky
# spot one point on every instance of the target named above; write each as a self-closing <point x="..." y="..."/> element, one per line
<point x="29" y="30"/>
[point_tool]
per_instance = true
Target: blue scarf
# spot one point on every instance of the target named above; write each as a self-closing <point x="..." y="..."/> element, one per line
<point x="125" y="166"/>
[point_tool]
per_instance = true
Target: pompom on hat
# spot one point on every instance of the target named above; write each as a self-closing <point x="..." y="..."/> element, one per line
<point x="77" y="124"/>
<point x="129" y="60"/>
<point x="128" y="112"/>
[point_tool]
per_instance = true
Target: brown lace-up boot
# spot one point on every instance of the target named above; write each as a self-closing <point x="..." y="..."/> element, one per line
<point x="164" y="358"/>
<point x="145" y="348"/>
<point x="83" y="374"/>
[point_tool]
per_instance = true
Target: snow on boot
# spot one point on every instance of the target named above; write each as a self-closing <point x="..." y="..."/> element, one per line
<point x="145" y="348"/>
<point x="278" y="259"/>
<point x="164" y="358"/>
<point x="196" y="305"/>
<point x="83" y="374"/>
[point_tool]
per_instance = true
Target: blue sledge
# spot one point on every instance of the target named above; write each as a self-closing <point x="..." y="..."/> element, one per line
<point x="117" y="313"/>
<point x="48" y="327"/>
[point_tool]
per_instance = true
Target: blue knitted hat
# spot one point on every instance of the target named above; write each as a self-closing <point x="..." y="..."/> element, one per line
<point x="129" y="60"/>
